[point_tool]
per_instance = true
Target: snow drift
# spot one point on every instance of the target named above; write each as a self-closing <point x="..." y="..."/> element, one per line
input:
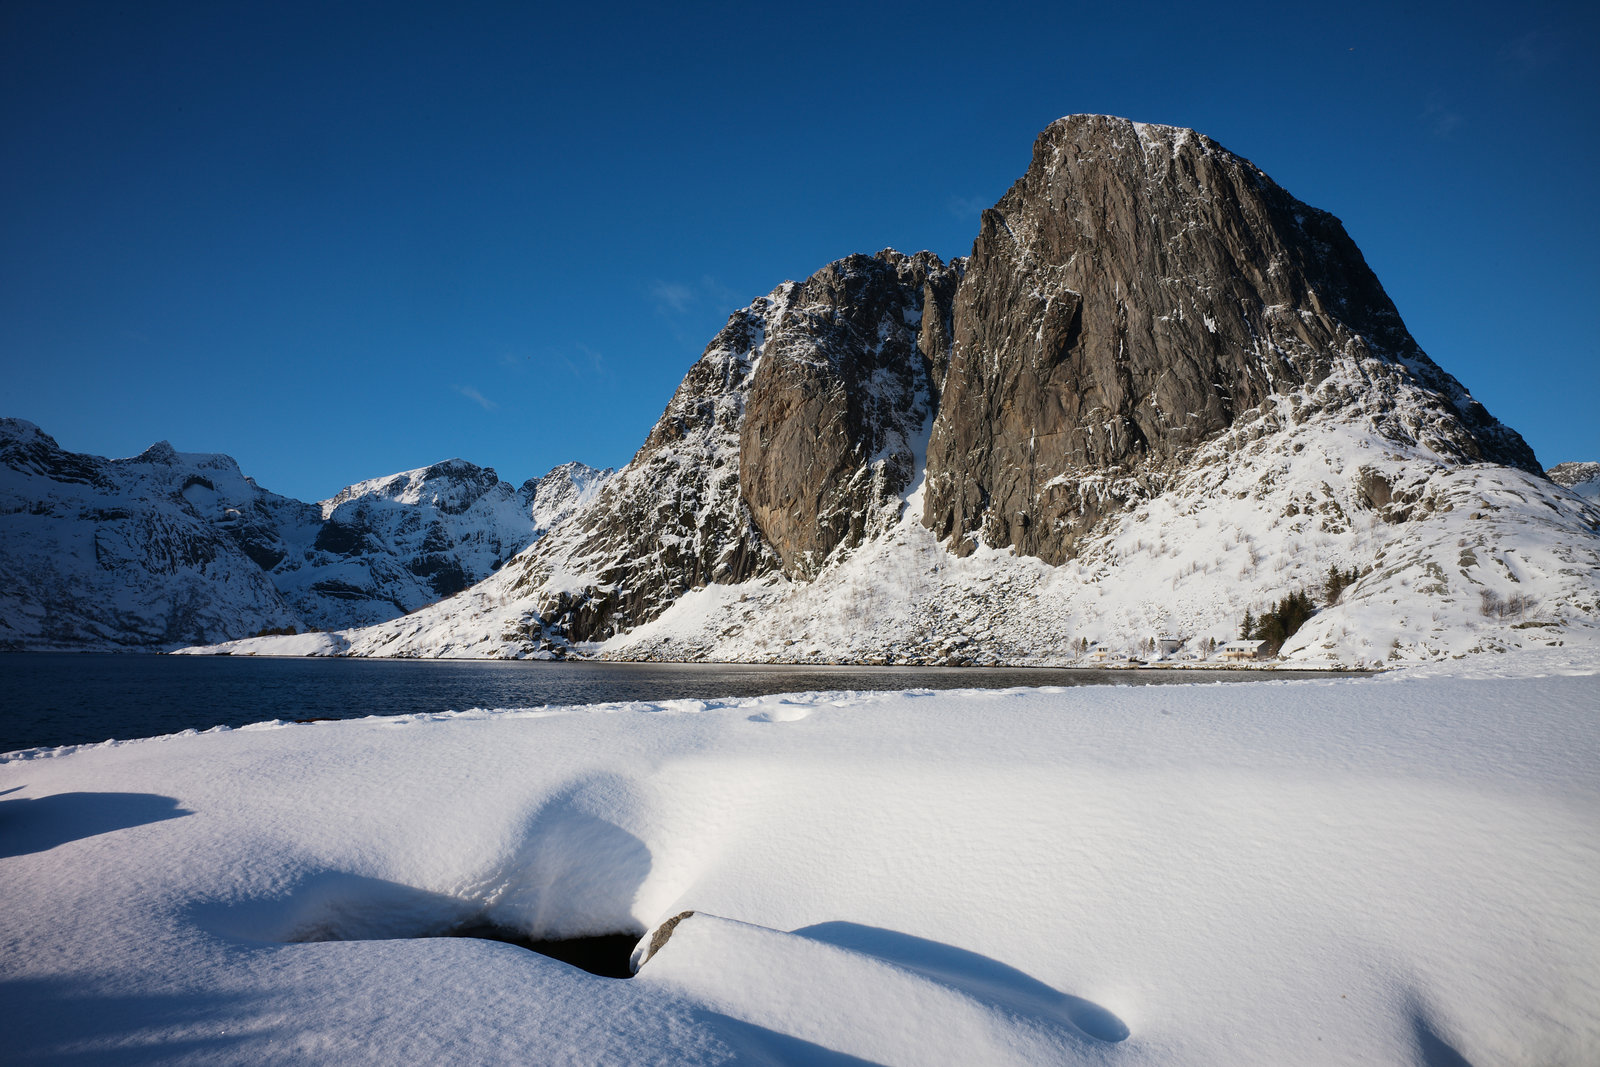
<point x="1394" y="870"/>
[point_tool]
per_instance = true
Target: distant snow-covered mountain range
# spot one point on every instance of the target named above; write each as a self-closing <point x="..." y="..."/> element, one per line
<point x="1581" y="478"/>
<point x="1160" y="394"/>
<point x="169" y="548"/>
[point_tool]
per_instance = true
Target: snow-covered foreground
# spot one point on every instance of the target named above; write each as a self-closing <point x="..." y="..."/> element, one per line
<point x="1399" y="869"/>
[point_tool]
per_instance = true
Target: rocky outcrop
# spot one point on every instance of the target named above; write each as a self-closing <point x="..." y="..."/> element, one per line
<point x="1131" y="296"/>
<point x="792" y="438"/>
<point x="839" y="400"/>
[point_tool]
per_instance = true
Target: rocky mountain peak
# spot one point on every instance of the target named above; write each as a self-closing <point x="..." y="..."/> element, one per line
<point x="161" y="452"/>
<point x="1571" y="474"/>
<point x="552" y="499"/>
<point x="451" y="485"/>
<point x="1136" y="292"/>
<point x="12" y="429"/>
<point x="28" y="450"/>
<point x="1156" y="363"/>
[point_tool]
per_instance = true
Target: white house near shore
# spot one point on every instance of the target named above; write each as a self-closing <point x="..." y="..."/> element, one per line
<point x="1241" y="650"/>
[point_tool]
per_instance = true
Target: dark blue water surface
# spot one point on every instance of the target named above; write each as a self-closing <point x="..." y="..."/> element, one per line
<point x="68" y="699"/>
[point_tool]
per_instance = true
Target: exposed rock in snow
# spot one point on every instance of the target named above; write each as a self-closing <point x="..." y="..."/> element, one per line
<point x="1137" y="292"/>
<point x="556" y="497"/>
<point x="163" y="549"/>
<point x="839" y="401"/>
<point x="169" y="549"/>
<point x="669" y="521"/>
<point x="391" y="545"/>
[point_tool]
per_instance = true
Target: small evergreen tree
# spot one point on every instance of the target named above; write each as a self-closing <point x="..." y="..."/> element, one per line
<point x="1284" y="619"/>
<point x="1247" y="630"/>
<point x="1337" y="582"/>
<point x="1280" y="623"/>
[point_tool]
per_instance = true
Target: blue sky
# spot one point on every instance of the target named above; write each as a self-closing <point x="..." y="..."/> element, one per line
<point x="341" y="239"/>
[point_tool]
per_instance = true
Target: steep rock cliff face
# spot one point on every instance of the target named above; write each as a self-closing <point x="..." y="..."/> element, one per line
<point x="1134" y="292"/>
<point x="793" y="437"/>
<point x="839" y="401"/>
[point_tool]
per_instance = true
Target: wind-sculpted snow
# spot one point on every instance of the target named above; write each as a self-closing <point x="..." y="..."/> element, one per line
<point x="1394" y="870"/>
<point x="169" y="549"/>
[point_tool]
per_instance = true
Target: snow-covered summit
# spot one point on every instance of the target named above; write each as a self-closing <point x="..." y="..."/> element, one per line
<point x="559" y="494"/>
<point x="451" y="486"/>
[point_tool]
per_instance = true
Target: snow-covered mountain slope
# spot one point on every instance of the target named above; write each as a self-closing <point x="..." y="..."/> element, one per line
<point x="388" y="546"/>
<point x="169" y="549"/>
<point x="1161" y="393"/>
<point x="161" y="549"/>
<point x="1581" y="478"/>
<point x="1454" y="558"/>
<point x="1459" y="559"/>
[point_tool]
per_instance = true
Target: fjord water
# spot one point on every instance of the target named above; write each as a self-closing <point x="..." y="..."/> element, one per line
<point x="49" y="699"/>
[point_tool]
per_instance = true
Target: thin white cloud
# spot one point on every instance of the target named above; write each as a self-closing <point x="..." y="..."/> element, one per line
<point x="671" y="296"/>
<point x="588" y="365"/>
<point x="476" y="397"/>
<point x="677" y="302"/>
<point x="1532" y="51"/>
<point x="719" y="294"/>
<point x="967" y="207"/>
<point x="1440" y="117"/>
